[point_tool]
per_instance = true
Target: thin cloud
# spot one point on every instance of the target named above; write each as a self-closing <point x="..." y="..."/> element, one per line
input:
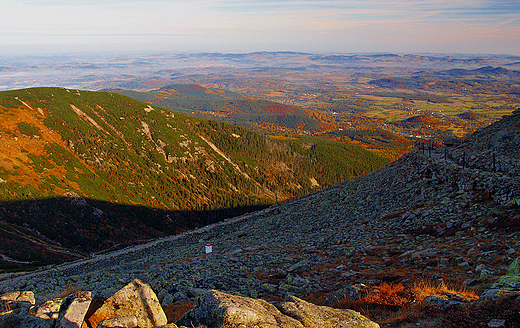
<point x="296" y="23"/>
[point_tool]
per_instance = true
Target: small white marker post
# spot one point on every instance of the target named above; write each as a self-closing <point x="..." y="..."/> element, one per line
<point x="209" y="248"/>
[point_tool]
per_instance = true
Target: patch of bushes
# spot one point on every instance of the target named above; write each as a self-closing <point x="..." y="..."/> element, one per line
<point x="28" y="130"/>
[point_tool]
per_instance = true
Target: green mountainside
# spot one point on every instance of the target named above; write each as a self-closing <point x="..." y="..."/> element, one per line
<point x="226" y="106"/>
<point x="85" y="171"/>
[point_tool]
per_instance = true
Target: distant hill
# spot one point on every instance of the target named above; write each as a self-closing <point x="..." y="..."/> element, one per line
<point x="226" y="106"/>
<point x="469" y="116"/>
<point x="479" y="72"/>
<point x="83" y="171"/>
<point x="421" y="120"/>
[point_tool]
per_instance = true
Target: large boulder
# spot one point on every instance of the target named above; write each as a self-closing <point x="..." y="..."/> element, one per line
<point x="219" y="310"/>
<point x="311" y="315"/>
<point x="216" y="309"/>
<point x="136" y="298"/>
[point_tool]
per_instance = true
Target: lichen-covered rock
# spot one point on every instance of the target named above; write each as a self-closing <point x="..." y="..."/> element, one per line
<point x="136" y="298"/>
<point x="514" y="268"/>
<point x="311" y="315"/>
<point x="17" y="296"/>
<point x="511" y="280"/>
<point x="120" y="322"/>
<point x="49" y="309"/>
<point x="216" y="309"/>
<point x="508" y="284"/>
<point x="74" y="308"/>
<point x="219" y="310"/>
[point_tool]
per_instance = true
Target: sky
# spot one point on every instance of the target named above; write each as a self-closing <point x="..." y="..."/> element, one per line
<point x="233" y="26"/>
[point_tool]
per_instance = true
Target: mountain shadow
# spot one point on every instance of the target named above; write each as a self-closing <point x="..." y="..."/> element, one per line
<point x="40" y="232"/>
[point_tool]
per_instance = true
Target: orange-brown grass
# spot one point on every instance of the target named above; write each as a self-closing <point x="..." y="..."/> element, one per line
<point x="424" y="289"/>
<point x="389" y="294"/>
<point x="398" y="304"/>
<point x="176" y="310"/>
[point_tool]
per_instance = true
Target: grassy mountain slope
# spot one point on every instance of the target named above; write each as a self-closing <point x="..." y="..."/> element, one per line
<point x="228" y="107"/>
<point x="82" y="152"/>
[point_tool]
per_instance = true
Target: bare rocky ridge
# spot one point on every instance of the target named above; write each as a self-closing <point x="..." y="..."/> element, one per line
<point x="419" y="218"/>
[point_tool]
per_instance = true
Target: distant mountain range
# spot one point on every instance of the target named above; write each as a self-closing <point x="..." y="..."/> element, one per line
<point x="85" y="171"/>
<point x="488" y="71"/>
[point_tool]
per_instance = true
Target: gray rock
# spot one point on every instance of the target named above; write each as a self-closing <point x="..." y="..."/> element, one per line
<point x="352" y="293"/>
<point x="217" y="309"/>
<point x="24" y="296"/>
<point x="49" y="309"/>
<point x="311" y="315"/>
<point x="74" y="308"/>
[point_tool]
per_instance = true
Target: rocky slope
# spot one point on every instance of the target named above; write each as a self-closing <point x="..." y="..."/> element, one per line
<point x="422" y="217"/>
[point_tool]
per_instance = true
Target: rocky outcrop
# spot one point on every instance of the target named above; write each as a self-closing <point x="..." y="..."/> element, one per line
<point x="219" y="310"/>
<point x="136" y="306"/>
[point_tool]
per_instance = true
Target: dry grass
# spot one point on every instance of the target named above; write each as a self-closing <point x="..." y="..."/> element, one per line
<point x="424" y="289"/>
<point x="399" y="305"/>
<point x="389" y="294"/>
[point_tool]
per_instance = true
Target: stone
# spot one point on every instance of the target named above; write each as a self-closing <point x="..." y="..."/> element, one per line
<point x="119" y="322"/>
<point x="74" y="308"/>
<point x="311" y="315"/>
<point x="49" y="309"/>
<point x="17" y="296"/>
<point x="217" y="309"/>
<point x="136" y="298"/>
<point x="352" y="293"/>
<point x="496" y="323"/>
<point x="443" y="300"/>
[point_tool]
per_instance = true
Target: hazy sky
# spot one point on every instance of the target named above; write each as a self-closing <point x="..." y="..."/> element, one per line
<point x="347" y="26"/>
